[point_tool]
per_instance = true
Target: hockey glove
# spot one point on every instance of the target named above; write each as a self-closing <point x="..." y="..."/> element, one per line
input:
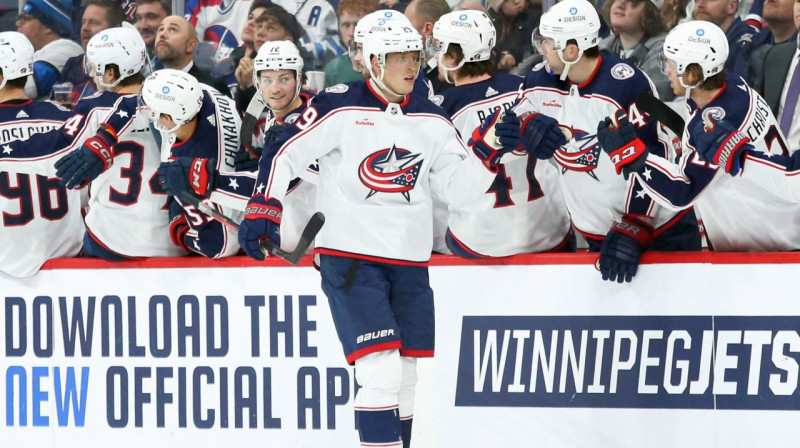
<point x="617" y="137"/>
<point x="262" y="221"/>
<point x="273" y="133"/>
<point x="187" y="174"/>
<point x="541" y="135"/>
<point x="247" y="159"/>
<point x="495" y="138"/>
<point x="178" y="224"/>
<point x="80" y="167"/>
<point x="722" y="144"/>
<point x="621" y="248"/>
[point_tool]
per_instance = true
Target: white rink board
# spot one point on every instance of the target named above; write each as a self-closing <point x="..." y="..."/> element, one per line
<point x="756" y="403"/>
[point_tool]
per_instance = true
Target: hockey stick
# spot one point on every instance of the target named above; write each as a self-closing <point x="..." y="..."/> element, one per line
<point x="267" y="247"/>
<point x="661" y="112"/>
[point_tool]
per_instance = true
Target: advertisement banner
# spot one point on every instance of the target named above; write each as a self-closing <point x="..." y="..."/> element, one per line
<point x="535" y="352"/>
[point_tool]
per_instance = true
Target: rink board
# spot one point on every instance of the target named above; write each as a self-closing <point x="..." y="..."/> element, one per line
<point x="700" y="350"/>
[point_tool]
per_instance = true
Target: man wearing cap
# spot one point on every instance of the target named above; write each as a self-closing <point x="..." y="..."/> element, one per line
<point x="47" y="24"/>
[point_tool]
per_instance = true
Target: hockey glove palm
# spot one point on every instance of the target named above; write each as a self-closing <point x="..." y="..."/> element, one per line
<point x="621" y="248"/>
<point x="722" y="145"/>
<point x="495" y="138"/>
<point x="262" y="221"/>
<point x="187" y="174"/>
<point x="617" y="137"/>
<point x="80" y="167"/>
<point x="541" y="135"/>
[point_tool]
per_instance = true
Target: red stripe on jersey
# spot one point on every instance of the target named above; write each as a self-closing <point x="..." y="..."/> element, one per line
<point x="382" y="347"/>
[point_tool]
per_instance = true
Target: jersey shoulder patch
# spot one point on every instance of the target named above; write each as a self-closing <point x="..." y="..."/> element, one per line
<point x="622" y="71"/>
<point x="338" y="88"/>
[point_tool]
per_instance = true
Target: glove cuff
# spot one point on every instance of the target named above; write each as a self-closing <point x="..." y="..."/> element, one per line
<point x="100" y="147"/>
<point x="635" y="228"/>
<point x="634" y="151"/>
<point x="107" y="133"/>
<point x="177" y="231"/>
<point x="199" y="177"/>
<point x="258" y="208"/>
<point x="729" y="154"/>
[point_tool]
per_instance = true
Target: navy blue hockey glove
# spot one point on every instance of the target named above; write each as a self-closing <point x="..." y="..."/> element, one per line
<point x="273" y="133"/>
<point x="82" y="166"/>
<point x="621" y="248"/>
<point x="262" y="221"/>
<point x="495" y="138"/>
<point x="617" y="137"/>
<point x="178" y="224"/>
<point x="246" y="159"/>
<point x="541" y="135"/>
<point x="187" y="174"/>
<point x="721" y="144"/>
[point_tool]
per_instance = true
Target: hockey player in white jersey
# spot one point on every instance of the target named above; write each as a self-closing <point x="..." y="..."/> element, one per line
<point x="726" y="117"/>
<point x="126" y="216"/>
<point x="523" y="211"/>
<point x="580" y="87"/>
<point x="376" y="177"/>
<point x="40" y="218"/>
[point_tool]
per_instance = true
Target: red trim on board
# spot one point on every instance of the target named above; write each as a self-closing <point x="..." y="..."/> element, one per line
<point x="436" y="260"/>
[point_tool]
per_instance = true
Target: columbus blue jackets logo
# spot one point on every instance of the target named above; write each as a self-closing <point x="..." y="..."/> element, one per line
<point x="221" y="36"/>
<point x="390" y="170"/>
<point x="580" y="153"/>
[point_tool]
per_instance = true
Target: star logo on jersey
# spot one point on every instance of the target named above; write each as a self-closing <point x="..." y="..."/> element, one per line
<point x="491" y="92"/>
<point x="7" y="149"/>
<point x="580" y="153"/>
<point x="212" y="119"/>
<point x="234" y="184"/>
<point x="648" y="175"/>
<point x="122" y="114"/>
<point x="22" y="114"/>
<point x="390" y="170"/>
<point x="260" y="189"/>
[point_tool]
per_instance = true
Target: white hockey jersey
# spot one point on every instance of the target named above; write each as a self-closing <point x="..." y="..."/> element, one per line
<point x="127" y="208"/>
<point x="739" y="213"/>
<point x="321" y="28"/>
<point x="218" y="21"/>
<point x="523" y="211"/>
<point x="376" y="174"/>
<point x="596" y="196"/>
<point x="40" y="218"/>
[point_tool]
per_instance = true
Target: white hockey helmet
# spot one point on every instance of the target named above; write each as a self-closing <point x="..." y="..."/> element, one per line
<point x="389" y="37"/>
<point x="570" y="20"/>
<point x="120" y="46"/>
<point x="472" y="30"/>
<point x="16" y="56"/>
<point x="372" y="19"/>
<point x="276" y="56"/>
<point x="174" y="93"/>
<point x="696" y="42"/>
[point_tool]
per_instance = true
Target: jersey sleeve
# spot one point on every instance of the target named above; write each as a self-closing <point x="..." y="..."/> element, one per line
<point x="298" y="147"/>
<point x="457" y="175"/>
<point x="777" y="173"/>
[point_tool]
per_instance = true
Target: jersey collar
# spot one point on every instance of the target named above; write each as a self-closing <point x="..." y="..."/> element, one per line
<point x="381" y="98"/>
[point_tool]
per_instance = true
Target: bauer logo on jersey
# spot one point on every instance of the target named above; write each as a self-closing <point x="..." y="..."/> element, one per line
<point x="580" y="153"/>
<point x="622" y="71"/>
<point x="390" y="170"/>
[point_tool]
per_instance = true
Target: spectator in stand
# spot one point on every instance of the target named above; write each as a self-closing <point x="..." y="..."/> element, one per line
<point x="47" y="24"/>
<point x="247" y="52"/>
<point x="637" y="37"/>
<point x="149" y="14"/>
<point x="514" y="21"/>
<point x="99" y="15"/>
<point x="673" y="11"/>
<point x="320" y="31"/>
<point x="740" y="35"/>
<point x="218" y="22"/>
<point x="175" y="43"/>
<point x="423" y="14"/>
<point x="780" y="28"/>
<point x="273" y="24"/>
<point x="340" y="70"/>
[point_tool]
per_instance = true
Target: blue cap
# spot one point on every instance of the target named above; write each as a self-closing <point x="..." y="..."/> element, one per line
<point x="54" y="14"/>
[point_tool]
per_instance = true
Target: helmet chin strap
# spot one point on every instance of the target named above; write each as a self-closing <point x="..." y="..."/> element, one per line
<point x="567" y="64"/>
<point x="447" y="69"/>
<point x="107" y="86"/>
<point x="382" y="88"/>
